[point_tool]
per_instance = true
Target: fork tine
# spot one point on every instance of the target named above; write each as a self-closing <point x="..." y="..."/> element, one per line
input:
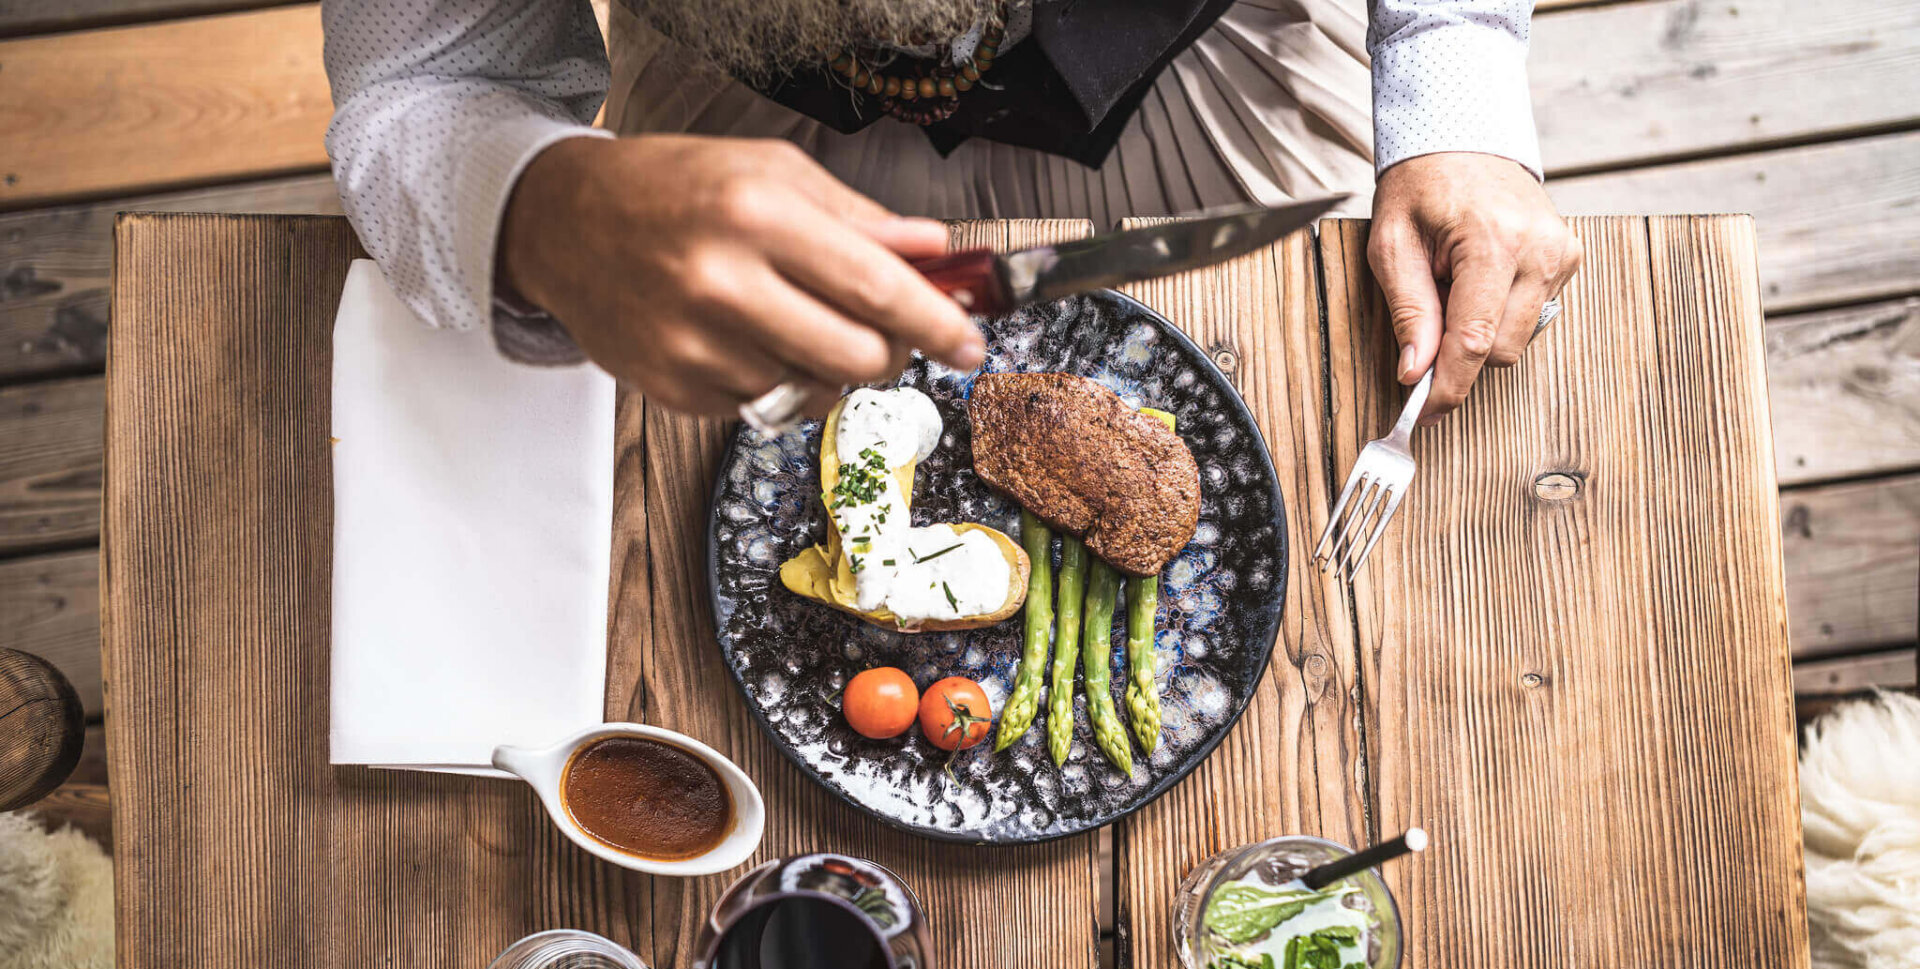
<point x="1357" y="528"/>
<point x="1393" y="505"/>
<point x="1390" y="468"/>
<point x="1333" y="517"/>
<point x="1352" y="527"/>
<point x="1336" y="523"/>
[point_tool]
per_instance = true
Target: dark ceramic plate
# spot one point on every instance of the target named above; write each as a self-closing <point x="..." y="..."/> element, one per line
<point x="1219" y="606"/>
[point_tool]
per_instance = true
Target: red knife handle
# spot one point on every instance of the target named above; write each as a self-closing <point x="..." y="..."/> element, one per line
<point x="972" y="277"/>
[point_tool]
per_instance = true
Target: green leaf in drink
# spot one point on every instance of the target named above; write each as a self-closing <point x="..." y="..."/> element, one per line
<point x="1239" y="912"/>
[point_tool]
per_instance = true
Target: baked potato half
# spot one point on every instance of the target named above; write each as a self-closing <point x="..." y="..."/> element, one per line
<point x="823" y="574"/>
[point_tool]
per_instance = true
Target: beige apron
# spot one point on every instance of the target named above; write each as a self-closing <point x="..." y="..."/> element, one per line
<point x="1271" y="103"/>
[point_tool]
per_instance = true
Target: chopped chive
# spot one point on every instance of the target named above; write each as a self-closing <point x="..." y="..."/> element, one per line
<point x="917" y="557"/>
<point x="951" y="601"/>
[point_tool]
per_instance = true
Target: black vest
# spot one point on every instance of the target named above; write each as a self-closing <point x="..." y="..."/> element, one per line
<point x="1068" y="89"/>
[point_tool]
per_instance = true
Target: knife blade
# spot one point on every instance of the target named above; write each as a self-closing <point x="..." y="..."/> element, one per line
<point x="989" y="283"/>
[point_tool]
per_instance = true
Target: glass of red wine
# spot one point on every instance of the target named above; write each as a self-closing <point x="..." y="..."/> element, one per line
<point x="818" y="911"/>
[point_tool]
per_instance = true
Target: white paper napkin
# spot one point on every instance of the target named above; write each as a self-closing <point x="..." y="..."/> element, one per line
<point x="472" y="509"/>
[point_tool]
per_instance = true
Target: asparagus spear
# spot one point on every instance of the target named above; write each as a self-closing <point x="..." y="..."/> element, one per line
<point x="1017" y="715"/>
<point x="1073" y="579"/>
<point x="1143" y="600"/>
<point x="1143" y="694"/>
<point x="1096" y="664"/>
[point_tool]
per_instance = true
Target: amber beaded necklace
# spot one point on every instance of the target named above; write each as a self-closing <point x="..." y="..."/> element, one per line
<point x="931" y="92"/>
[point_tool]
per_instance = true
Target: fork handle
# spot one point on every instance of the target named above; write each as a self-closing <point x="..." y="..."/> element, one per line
<point x="1410" y="414"/>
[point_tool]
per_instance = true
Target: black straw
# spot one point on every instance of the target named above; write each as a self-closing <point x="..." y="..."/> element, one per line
<point x="1414" y="840"/>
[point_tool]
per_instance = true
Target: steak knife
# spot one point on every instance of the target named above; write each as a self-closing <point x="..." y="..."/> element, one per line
<point x="989" y="283"/>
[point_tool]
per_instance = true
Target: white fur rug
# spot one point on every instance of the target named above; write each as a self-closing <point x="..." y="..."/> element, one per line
<point x="56" y="898"/>
<point x="1860" y="806"/>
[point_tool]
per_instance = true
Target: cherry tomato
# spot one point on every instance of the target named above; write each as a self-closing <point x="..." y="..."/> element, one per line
<point x="954" y="713"/>
<point x="880" y="702"/>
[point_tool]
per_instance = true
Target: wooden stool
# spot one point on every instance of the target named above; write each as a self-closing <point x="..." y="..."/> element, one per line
<point x="42" y="727"/>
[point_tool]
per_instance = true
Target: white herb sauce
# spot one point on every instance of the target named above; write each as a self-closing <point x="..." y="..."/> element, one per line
<point x="916" y="573"/>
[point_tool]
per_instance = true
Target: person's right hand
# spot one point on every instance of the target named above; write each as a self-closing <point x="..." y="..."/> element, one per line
<point x="703" y="271"/>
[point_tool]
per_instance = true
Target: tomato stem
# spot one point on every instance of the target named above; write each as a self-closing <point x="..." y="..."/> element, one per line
<point x="963" y="721"/>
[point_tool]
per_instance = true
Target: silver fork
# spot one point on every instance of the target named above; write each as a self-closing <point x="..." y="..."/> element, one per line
<point x="1379" y="481"/>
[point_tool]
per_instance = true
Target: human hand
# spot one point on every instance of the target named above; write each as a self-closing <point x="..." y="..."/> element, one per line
<point x="703" y="271"/>
<point x="1467" y="248"/>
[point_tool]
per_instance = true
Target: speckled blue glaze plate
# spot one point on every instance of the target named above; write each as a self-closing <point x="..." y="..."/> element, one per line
<point x="1219" y="604"/>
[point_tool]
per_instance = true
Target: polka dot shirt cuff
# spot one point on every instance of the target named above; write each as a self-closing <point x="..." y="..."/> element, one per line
<point x="485" y="183"/>
<point x="1453" y="86"/>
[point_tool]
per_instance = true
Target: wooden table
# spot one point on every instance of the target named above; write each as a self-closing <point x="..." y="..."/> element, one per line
<point x="1568" y="659"/>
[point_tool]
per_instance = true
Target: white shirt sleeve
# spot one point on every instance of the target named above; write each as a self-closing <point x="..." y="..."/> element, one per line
<point x="438" y="106"/>
<point x="1451" y="75"/>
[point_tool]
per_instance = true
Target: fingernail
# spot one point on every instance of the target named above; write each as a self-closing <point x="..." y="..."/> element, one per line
<point x="972" y="353"/>
<point x="1406" y="363"/>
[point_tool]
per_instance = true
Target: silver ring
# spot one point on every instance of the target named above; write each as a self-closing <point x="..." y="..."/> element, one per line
<point x="776" y="411"/>
<point x="1549" y="311"/>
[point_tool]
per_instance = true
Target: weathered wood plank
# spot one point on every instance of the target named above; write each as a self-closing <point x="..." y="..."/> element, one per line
<point x="1039" y="907"/>
<point x="1853" y="564"/>
<point x="1892" y="669"/>
<point x="129" y="109"/>
<point x="50" y="607"/>
<point x="1634" y="82"/>
<point x="235" y="842"/>
<point x="50" y="467"/>
<point x="1820" y="685"/>
<point x="55" y="266"/>
<point x="1561" y="685"/>
<point x="1846" y="391"/>
<point x="1291" y="765"/>
<point x="1105" y="885"/>
<point x="1837" y="223"/>
<point x="18" y="17"/>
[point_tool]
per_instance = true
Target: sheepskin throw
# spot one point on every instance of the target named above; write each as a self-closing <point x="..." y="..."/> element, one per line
<point x="1860" y="806"/>
<point x="56" y="898"/>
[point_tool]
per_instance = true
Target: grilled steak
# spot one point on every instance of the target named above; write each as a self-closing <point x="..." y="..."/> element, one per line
<point x="1072" y="452"/>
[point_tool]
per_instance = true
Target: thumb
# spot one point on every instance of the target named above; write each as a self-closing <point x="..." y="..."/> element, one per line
<point x="1403" y="265"/>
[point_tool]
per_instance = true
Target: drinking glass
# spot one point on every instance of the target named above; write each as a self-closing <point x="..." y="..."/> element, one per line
<point x="814" y="911"/>
<point x="566" y="949"/>
<point x="1279" y="861"/>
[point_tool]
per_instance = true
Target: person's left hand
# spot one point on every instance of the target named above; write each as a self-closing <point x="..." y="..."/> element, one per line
<point x="1467" y="248"/>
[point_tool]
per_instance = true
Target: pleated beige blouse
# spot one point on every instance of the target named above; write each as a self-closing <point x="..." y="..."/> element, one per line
<point x="1271" y="103"/>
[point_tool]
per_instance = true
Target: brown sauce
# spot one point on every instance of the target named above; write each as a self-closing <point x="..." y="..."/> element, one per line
<point x="647" y="798"/>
